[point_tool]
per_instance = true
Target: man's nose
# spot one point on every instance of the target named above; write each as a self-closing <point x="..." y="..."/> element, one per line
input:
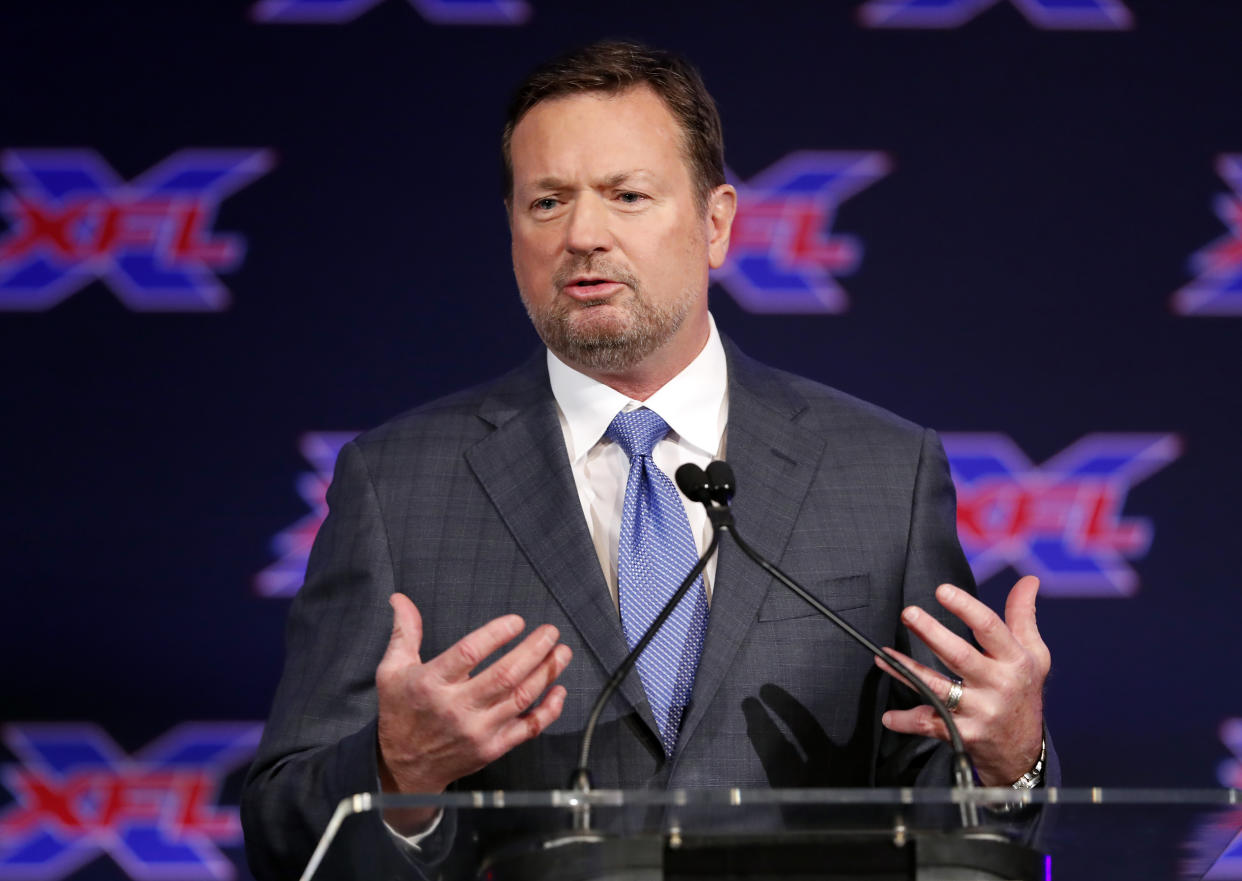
<point x="588" y="228"/>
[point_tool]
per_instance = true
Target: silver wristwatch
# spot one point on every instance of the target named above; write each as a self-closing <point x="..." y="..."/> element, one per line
<point x="1035" y="776"/>
<point x="1030" y="780"/>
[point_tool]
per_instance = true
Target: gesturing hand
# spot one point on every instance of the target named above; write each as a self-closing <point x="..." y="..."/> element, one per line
<point x="437" y="723"/>
<point x="1000" y="712"/>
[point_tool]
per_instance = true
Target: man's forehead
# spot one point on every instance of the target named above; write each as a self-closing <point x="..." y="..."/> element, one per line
<point x="637" y="120"/>
<point x="641" y="92"/>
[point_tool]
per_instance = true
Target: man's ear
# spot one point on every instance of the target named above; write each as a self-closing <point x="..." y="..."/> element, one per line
<point x="721" y="208"/>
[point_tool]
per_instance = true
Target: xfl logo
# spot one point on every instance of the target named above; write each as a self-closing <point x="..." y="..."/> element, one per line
<point x="1061" y="521"/>
<point x="1218" y="289"/>
<point x="482" y="12"/>
<point x="1214" y="848"/>
<point x="1069" y="15"/>
<point x="783" y="256"/>
<point x="72" y="220"/>
<point x="292" y="547"/>
<point x="77" y="795"/>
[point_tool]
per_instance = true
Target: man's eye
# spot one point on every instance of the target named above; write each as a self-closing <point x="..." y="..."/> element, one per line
<point x="545" y="204"/>
<point x="631" y="198"/>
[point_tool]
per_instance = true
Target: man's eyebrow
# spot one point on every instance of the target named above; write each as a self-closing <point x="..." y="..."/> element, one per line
<point x="612" y="180"/>
<point x="621" y="177"/>
<point x="550" y="183"/>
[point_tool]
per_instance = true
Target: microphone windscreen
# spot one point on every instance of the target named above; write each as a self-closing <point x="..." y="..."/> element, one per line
<point x="720" y="481"/>
<point x="692" y="481"/>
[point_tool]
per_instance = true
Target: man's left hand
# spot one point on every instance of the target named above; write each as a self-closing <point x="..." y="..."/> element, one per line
<point x="1000" y="713"/>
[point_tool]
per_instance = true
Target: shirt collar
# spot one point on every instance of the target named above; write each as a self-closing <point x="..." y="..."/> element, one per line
<point x="692" y="402"/>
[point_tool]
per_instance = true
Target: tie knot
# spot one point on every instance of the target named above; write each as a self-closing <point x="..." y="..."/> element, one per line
<point x="637" y="431"/>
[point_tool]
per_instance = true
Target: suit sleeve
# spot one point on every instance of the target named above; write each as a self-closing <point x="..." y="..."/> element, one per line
<point x="320" y="745"/>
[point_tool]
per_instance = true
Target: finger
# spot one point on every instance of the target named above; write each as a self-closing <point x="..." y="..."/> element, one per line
<point x="455" y="663"/>
<point x="1020" y="613"/>
<point x="506" y="679"/>
<point x="954" y="652"/>
<point x="530" y="725"/>
<point x="933" y="679"/>
<point x="523" y="697"/>
<point x="407" y="628"/>
<point x="497" y="683"/>
<point x="993" y="636"/>
<point x="921" y="720"/>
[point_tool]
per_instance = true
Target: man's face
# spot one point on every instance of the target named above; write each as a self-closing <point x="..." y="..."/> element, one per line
<point x="611" y="250"/>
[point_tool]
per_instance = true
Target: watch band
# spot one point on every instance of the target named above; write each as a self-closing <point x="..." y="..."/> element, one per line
<point x="1030" y="780"/>
<point x="1035" y="776"/>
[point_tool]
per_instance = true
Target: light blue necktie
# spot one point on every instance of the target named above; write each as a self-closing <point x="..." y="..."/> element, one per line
<point x="656" y="552"/>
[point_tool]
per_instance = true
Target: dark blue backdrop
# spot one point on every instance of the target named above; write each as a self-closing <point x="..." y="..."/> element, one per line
<point x="1025" y="196"/>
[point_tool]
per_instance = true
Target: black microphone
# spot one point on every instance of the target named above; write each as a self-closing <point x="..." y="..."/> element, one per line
<point x="720" y="489"/>
<point x="694" y="483"/>
<point x="580" y="781"/>
<point x="720" y="483"/>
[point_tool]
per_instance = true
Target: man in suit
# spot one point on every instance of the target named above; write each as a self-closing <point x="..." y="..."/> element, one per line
<point x="455" y="525"/>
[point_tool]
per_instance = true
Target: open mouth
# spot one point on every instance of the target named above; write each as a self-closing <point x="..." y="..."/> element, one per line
<point x="588" y="288"/>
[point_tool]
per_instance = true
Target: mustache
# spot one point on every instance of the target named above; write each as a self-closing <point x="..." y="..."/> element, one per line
<point x="593" y="266"/>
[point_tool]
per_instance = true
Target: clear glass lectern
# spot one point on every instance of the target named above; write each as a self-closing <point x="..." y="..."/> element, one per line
<point x="615" y="835"/>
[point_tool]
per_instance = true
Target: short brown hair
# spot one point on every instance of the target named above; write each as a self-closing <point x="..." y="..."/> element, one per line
<point x="613" y="66"/>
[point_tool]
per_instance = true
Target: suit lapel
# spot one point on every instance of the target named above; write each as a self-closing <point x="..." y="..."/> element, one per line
<point x="774" y="461"/>
<point x="524" y="469"/>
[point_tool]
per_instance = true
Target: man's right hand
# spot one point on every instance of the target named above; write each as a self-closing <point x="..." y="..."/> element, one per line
<point x="437" y="723"/>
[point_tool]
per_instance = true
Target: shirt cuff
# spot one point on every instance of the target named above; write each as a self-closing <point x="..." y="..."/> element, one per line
<point x="413" y="841"/>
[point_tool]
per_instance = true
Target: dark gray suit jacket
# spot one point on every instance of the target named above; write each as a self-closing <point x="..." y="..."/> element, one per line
<point x="468" y="506"/>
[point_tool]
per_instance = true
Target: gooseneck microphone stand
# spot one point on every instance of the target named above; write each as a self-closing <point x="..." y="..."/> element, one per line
<point x="714" y="489"/>
<point x="580" y="781"/>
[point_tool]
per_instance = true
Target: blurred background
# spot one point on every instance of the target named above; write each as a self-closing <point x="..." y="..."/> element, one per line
<point x="233" y="234"/>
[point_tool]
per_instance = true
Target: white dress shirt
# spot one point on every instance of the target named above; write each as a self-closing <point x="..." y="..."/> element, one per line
<point x="694" y="403"/>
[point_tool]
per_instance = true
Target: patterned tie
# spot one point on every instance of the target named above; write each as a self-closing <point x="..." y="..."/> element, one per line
<point x="656" y="552"/>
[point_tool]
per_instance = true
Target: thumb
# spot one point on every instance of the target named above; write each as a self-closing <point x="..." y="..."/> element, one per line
<point x="1020" y="613"/>
<point x="407" y="627"/>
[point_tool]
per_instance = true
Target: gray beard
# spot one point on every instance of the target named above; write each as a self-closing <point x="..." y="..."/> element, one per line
<point x="604" y="349"/>
<point x="607" y="349"/>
